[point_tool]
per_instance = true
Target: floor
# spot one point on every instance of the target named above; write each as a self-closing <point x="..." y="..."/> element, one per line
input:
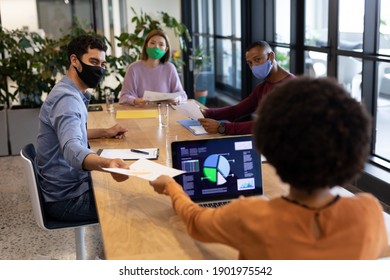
<point x="20" y="237"/>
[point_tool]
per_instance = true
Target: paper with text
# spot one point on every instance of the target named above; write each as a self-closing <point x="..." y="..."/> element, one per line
<point x="159" y="96"/>
<point x="147" y="170"/>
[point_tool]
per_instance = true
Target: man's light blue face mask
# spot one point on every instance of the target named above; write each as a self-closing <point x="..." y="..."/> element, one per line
<point x="261" y="71"/>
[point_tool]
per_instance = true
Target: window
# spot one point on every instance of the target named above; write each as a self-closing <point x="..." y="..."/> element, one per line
<point x="350" y="38"/>
<point x="350" y="35"/>
<point x="282" y="15"/>
<point x="316" y="23"/>
<point x="316" y="37"/>
<point x="382" y="131"/>
<point x="56" y="17"/>
<point x="203" y="43"/>
<point x="228" y="43"/>
<point x="216" y="29"/>
<point x="345" y="39"/>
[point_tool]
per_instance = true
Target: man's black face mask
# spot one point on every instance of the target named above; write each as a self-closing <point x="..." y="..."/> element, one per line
<point x="90" y="75"/>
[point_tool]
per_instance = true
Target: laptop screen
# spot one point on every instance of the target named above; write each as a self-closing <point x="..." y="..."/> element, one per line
<point x="218" y="168"/>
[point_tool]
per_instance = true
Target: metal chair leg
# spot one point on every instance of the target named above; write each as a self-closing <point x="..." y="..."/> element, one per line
<point x="80" y="243"/>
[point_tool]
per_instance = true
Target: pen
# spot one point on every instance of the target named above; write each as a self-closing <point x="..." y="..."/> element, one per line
<point x="139" y="152"/>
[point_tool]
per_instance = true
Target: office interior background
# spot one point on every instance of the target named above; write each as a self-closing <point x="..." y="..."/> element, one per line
<point x="345" y="39"/>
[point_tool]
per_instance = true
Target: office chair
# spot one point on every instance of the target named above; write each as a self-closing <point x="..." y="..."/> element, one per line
<point x="28" y="155"/>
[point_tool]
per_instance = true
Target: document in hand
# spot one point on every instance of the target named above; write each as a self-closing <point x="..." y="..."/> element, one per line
<point x="189" y="109"/>
<point x="155" y="96"/>
<point x="194" y="126"/>
<point x="146" y="169"/>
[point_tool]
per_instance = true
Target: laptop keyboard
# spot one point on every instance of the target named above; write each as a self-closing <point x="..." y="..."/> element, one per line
<point x="214" y="204"/>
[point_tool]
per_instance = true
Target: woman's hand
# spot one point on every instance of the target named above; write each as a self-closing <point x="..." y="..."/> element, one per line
<point x="140" y="102"/>
<point x="160" y="184"/>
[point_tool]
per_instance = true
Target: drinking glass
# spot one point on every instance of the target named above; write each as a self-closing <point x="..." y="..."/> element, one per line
<point x="163" y="114"/>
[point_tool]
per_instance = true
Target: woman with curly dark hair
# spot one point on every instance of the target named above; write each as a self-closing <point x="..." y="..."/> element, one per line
<point x="317" y="137"/>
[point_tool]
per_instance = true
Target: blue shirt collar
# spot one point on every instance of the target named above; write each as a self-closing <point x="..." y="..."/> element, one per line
<point x="86" y="97"/>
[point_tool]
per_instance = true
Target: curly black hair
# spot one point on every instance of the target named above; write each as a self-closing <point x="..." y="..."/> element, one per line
<point x="80" y="45"/>
<point x="313" y="132"/>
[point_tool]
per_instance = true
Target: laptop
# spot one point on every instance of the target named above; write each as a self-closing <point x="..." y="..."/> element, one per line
<point x="218" y="169"/>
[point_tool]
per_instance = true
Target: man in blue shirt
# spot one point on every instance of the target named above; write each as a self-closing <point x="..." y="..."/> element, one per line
<point x="63" y="155"/>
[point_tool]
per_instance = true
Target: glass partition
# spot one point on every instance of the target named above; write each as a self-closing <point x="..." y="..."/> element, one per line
<point x="351" y="27"/>
<point x="382" y="137"/>
<point x="282" y="18"/>
<point x="315" y="64"/>
<point x="349" y="74"/>
<point x="316" y="23"/>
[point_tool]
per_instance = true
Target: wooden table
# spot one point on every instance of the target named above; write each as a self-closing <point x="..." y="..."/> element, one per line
<point x="138" y="223"/>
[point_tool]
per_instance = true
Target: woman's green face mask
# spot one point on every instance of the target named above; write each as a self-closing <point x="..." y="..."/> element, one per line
<point x="155" y="53"/>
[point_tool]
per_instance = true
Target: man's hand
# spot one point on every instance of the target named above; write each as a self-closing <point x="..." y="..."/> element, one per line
<point x="160" y="183"/>
<point x="117" y="131"/>
<point x="210" y="125"/>
<point x="118" y="163"/>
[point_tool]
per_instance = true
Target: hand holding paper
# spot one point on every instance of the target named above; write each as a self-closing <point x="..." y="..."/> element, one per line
<point x="160" y="96"/>
<point x="118" y="163"/>
<point x="190" y="109"/>
<point x="147" y="170"/>
<point x="194" y="126"/>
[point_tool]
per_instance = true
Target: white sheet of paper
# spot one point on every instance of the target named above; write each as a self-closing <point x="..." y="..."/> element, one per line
<point x="128" y="154"/>
<point x="147" y="170"/>
<point x="198" y="129"/>
<point x="190" y="109"/>
<point x="160" y="96"/>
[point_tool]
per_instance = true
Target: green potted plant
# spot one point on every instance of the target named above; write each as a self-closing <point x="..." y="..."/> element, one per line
<point x="23" y="72"/>
<point x="29" y="64"/>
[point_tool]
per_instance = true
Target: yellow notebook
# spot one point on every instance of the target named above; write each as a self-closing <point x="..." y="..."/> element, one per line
<point x="137" y="114"/>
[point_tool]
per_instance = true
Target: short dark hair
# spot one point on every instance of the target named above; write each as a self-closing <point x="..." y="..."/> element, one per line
<point x="80" y="45"/>
<point x="167" y="55"/>
<point x="260" y="44"/>
<point x="313" y="132"/>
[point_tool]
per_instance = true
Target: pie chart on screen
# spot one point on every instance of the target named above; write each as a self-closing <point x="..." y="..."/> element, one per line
<point x="216" y="168"/>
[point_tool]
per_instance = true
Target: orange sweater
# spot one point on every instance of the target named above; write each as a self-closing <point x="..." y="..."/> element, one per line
<point x="352" y="227"/>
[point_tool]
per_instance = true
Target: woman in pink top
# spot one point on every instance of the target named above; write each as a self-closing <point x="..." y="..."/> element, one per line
<point x="316" y="136"/>
<point x="153" y="72"/>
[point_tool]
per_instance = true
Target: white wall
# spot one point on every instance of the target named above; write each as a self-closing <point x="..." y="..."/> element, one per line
<point x="18" y="14"/>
